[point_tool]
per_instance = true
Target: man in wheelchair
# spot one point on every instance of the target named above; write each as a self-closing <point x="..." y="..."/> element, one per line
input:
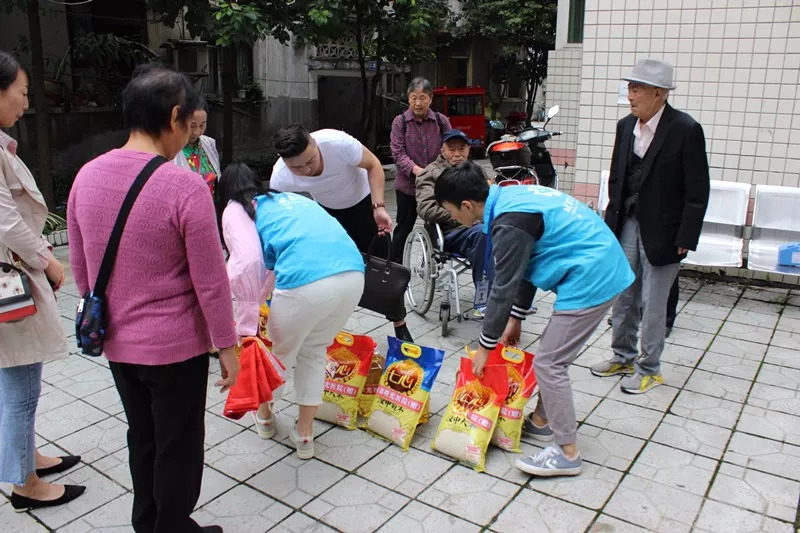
<point x="541" y="238"/>
<point x="468" y="242"/>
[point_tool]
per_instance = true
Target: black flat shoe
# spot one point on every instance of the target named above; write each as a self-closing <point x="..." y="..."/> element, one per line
<point x="67" y="462"/>
<point x="22" y="504"/>
<point x="212" y="529"/>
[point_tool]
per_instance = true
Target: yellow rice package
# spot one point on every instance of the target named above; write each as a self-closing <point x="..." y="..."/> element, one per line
<point x="521" y="382"/>
<point x="471" y="415"/>
<point x="403" y="391"/>
<point x="371" y="385"/>
<point x="347" y="365"/>
<point x="263" y="318"/>
<point x="425" y="417"/>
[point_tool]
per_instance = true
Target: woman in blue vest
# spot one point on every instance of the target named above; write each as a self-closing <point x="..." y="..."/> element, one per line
<point x="319" y="278"/>
<point x="541" y="238"/>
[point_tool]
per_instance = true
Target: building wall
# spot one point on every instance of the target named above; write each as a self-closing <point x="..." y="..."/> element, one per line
<point x="289" y="86"/>
<point x="736" y="69"/>
<point x="563" y="89"/>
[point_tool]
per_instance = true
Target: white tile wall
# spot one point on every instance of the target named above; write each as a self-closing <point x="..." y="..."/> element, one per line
<point x="563" y="89"/>
<point x="737" y="68"/>
<point x="736" y="64"/>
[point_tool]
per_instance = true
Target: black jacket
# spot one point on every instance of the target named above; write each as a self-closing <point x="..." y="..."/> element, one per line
<point x="674" y="192"/>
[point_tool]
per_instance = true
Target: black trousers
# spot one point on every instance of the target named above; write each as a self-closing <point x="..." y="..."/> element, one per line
<point x="404" y="223"/>
<point x="359" y="223"/>
<point x="165" y="406"/>
<point x="672" y="303"/>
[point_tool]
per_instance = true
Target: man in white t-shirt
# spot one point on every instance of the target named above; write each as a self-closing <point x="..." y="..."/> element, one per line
<point x="344" y="177"/>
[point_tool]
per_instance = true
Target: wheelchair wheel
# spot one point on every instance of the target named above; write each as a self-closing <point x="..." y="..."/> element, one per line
<point x="418" y="257"/>
<point x="444" y="317"/>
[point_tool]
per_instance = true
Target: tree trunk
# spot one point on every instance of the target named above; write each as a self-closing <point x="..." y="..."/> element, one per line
<point x="362" y="65"/>
<point x="371" y="127"/>
<point x="532" y="87"/>
<point x="227" y="103"/>
<point x="42" y="117"/>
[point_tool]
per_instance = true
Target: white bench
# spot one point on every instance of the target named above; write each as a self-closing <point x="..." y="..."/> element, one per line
<point x="776" y="221"/>
<point x="722" y="238"/>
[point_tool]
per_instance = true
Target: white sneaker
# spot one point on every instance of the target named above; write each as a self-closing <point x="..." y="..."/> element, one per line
<point x="265" y="428"/>
<point x="304" y="445"/>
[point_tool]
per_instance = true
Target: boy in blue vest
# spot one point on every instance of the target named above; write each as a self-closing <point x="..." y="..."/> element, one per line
<point x="541" y="238"/>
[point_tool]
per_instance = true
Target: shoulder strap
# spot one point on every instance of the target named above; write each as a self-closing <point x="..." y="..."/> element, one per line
<point x="439" y="121"/>
<point x="116" y="233"/>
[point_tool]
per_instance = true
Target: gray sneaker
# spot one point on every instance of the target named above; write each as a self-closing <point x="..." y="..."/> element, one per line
<point x="611" y="368"/>
<point x="551" y="462"/>
<point x="531" y="430"/>
<point x="639" y="384"/>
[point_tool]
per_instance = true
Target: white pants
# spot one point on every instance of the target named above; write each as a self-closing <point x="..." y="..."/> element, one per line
<point x="304" y="321"/>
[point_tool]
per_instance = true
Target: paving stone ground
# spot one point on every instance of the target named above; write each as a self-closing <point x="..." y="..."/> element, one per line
<point x="717" y="449"/>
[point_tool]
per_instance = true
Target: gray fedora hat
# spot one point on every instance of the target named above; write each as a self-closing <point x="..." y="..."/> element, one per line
<point x="652" y="72"/>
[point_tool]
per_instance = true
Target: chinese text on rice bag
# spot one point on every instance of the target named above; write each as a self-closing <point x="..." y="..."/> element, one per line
<point x="468" y="423"/>
<point x="346" y="369"/>
<point x="403" y="390"/>
<point x="521" y="383"/>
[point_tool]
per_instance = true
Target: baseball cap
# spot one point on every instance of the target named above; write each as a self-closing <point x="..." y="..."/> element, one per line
<point x="455" y="134"/>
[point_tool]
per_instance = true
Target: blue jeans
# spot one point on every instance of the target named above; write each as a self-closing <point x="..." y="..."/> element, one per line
<point x="20" y="387"/>
<point x="471" y="243"/>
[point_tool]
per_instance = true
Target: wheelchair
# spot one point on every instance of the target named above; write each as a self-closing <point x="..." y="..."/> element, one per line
<point x="433" y="269"/>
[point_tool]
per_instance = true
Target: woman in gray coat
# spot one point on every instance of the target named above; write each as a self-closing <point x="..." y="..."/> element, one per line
<point x="27" y="343"/>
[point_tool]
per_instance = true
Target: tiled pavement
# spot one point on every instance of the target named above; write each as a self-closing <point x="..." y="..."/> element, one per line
<point x="715" y="450"/>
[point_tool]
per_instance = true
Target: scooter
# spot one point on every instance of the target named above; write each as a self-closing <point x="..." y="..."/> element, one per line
<point x="523" y="159"/>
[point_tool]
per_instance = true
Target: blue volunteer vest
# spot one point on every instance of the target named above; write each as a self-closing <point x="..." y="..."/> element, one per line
<point x="301" y="242"/>
<point x="577" y="257"/>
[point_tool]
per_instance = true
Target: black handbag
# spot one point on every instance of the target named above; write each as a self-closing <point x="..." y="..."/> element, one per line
<point x="385" y="284"/>
<point x="91" y="319"/>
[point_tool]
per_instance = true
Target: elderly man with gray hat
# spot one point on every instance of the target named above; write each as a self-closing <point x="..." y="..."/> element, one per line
<point x="658" y="193"/>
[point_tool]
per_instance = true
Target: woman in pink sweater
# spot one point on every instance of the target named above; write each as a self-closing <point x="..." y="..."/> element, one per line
<point x="168" y="299"/>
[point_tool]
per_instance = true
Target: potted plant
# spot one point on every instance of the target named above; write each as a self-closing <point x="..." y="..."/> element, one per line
<point x="55" y="230"/>
<point x="242" y="82"/>
<point x="253" y="92"/>
<point x="54" y="88"/>
<point x="110" y="60"/>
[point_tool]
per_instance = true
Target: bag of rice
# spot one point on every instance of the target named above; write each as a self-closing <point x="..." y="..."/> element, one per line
<point x="469" y="421"/>
<point x="521" y="382"/>
<point x="347" y="365"/>
<point x="403" y="390"/>
<point x="371" y="385"/>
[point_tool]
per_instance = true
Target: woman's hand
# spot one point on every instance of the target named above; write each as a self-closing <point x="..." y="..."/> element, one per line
<point x="55" y="273"/>
<point x="229" y="366"/>
<point x="417" y="170"/>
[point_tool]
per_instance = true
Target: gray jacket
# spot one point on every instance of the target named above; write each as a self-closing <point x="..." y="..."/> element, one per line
<point x="514" y="237"/>
<point x="427" y="208"/>
<point x="210" y="148"/>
